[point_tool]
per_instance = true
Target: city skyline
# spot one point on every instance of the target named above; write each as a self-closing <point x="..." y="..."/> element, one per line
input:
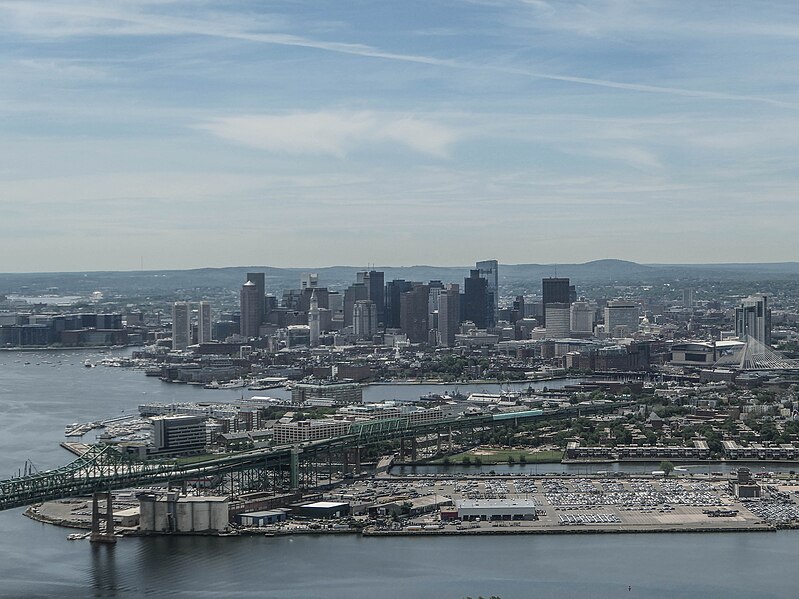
<point x="181" y="135"/>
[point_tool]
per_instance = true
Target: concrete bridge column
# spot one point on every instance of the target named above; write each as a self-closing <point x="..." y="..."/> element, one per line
<point x="357" y="460"/>
<point x="449" y="437"/>
<point x="413" y="449"/>
<point x="102" y="534"/>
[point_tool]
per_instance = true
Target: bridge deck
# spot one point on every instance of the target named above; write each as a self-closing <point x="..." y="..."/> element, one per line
<point x="103" y="468"/>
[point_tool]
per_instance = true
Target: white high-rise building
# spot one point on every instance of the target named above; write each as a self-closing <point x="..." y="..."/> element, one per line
<point x="314" y="320"/>
<point x="449" y="314"/>
<point x="582" y="317"/>
<point x="688" y="297"/>
<point x="364" y="319"/>
<point x="621" y="318"/>
<point x="309" y="280"/>
<point x="181" y="325"/>
<point x="558" y="321"/>
<point x="203" y="322"/>
<point x="753" y="319"/>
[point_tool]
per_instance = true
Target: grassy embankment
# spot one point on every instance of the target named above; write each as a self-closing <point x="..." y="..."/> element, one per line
<point x="503" y="456"/>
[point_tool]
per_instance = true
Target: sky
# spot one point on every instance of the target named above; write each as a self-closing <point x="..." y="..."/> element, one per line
<point x="174" y="134"/>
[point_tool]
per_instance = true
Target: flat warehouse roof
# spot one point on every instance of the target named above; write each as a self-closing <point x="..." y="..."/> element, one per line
<point x="278" y="512"/>
<point x="326" y="504"/>
<point x="496" y="503"/>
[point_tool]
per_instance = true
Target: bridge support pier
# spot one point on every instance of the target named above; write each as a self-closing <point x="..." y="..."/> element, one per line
<point x="413" y="449"/>
<point x="357" y="461"/>
<point x="105" y="533"/>
<point x="295" y="468"/>
<point x="329" y="467"/>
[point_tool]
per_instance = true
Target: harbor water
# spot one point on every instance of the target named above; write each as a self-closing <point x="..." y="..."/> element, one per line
<point x="42" y="392"/>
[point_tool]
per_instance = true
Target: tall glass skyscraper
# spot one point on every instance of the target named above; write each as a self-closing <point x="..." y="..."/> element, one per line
<point x="489" y="270"/>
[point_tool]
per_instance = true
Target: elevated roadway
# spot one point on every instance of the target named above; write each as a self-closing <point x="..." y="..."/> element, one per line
<point x="103" y="468"/>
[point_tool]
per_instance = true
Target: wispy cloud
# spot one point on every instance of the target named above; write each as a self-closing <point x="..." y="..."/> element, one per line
<point x="333" y="133"/>
<point x="86" y="18"/>
<point x="631" y="155"/>
<point x="555" y="115"/>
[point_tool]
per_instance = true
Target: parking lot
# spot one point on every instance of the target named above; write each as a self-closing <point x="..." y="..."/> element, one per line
<point x="586" y="502"/>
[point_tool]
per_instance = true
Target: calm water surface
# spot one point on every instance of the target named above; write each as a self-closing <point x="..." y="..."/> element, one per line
<point x="38" y="399"/>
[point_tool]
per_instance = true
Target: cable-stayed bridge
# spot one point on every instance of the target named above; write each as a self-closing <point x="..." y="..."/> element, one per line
<point x="754" y="355"/>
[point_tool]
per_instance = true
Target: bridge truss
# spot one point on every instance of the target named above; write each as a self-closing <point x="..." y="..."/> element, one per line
<point x="104" y="468"/>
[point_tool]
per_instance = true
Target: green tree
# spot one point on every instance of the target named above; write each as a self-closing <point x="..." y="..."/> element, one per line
<point x="667" y="467"/>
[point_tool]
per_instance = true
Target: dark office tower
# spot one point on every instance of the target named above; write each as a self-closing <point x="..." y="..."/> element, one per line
<point x="303" y="303"/>
<point x="449" y="316"/>
<point x="489" y="270"/>
<point x="475" y="299"/>
<point x="270" y="303"/>
<point x="413" y="313"/>
<point x="518" y="308"/>
<point x="355" y="292"/>
<point x="251" y="309"/>
<point x="181" y="325"/>
<point x="375" y="283"/>
<point x="394" y="289"/>
<point x="572" y="294"/>
<point x="258" y="279"/>
<point x="555" y="291"/>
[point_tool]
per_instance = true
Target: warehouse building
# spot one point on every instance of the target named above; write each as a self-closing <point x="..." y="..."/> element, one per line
<point x="497" y="509"/>
<point x="263" y="518"/>
<point x="410" y="507"/>
<point x="743" y="485"/>
<point x="322" y="509"/>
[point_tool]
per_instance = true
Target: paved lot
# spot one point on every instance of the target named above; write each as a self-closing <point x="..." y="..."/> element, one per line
<point x="584" y="503"/>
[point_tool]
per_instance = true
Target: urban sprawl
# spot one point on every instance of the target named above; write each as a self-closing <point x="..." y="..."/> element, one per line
<point x="639" y="382"/>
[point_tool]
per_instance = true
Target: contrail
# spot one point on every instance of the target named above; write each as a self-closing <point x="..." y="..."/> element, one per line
<point x="162" y="25"/>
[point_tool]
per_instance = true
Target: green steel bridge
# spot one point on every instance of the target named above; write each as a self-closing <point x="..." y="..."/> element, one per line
<point x="103" y="468"/>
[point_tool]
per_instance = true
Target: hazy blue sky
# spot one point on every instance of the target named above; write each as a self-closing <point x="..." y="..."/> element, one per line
<point x="303" y="133"/>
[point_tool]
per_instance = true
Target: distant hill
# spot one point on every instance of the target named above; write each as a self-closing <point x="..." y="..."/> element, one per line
<point x="597" y="270"/>
<point x="337" y="277"/>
